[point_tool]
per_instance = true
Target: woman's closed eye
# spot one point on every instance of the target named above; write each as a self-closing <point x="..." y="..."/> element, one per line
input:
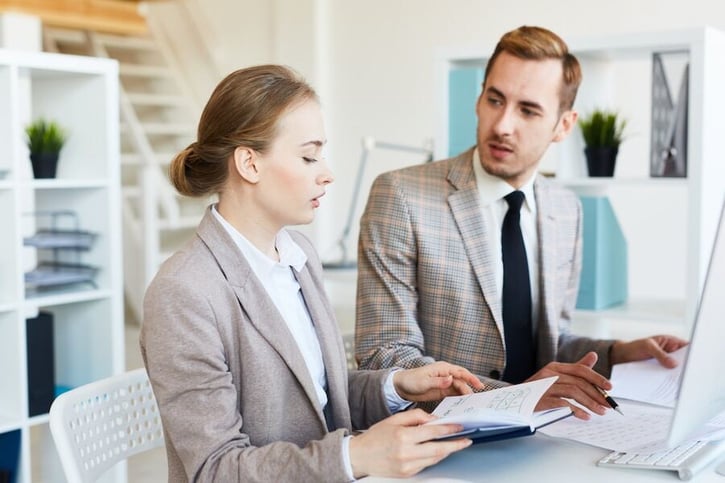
<point x="309" y="159"/>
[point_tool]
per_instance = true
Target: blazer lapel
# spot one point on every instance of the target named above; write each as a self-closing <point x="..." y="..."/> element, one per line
<point x="466" y="209"/>
<point x="548" y="327"/>
<point x="256" y="304"/>
<point x="333" y="353"/>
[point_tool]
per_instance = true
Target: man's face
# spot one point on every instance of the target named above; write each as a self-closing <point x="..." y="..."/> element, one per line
<point x="518" y="116"/>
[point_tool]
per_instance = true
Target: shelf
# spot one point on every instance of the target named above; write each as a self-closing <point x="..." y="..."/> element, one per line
<point x="64" y="184"/>
<point x="66" y="296"/>
<point x="8" y="424"/>
<point x="648" y="310"/>
<point x="81" y="94"/>
<point x="39" y="419"/>
<point x="7" y="307"/>
<point x="624" y="182"/>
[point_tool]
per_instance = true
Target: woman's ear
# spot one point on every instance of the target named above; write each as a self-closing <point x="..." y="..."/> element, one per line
<point x="245" y="164"/>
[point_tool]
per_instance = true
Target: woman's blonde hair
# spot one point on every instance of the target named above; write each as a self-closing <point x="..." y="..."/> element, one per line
<point x="243" y="110"/>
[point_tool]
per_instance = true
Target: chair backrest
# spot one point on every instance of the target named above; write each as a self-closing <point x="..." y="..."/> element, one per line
<point x="101" y="423"/>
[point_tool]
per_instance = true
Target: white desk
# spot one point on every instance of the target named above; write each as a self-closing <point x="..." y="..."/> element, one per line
<point x="538" y="459"/>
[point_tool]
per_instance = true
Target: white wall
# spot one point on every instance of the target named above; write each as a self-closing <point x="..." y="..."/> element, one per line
<point x="382" y="56"/>
<point x="373" y="62"/>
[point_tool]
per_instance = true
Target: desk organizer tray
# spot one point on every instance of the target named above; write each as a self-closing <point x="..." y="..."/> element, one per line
<point x="75" y="239"/>
<point x="48" y="274"/>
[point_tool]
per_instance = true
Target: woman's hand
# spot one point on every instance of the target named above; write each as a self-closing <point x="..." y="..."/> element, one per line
<point x="400" y="446"/>
<point x="434" y="381"/>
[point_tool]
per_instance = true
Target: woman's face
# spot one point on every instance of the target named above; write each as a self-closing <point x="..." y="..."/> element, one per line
<point x="293" y="174"/>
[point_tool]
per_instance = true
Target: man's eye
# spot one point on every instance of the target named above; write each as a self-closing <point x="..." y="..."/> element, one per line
<point x="309" y="160"/>
<point x="494" y="101"/>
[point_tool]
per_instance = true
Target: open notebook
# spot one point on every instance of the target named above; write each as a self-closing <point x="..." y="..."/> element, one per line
<point x="503" y="413"/>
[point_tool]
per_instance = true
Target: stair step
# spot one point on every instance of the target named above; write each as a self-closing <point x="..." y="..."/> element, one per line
<point x="66" y="36"/>
<point x="182" y="223"/>
<point x="162" y="158"/>
<point x="169" y="129"/>
<point x="127" y="42"/>
<point x="163" y="100"/>
<point x="141" y="70"/>
<point x="163" y="129"/>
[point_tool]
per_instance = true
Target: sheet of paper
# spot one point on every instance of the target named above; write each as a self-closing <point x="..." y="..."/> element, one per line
<point x="640" y="425"/>
<point x="648" y="381"/>
<point x="643" y="428"/>
<point x="503" y="406"/>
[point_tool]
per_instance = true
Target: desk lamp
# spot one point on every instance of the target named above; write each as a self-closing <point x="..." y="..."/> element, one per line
<point x="369" y="143"/>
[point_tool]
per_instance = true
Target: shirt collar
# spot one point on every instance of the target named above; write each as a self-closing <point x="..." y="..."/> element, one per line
<point x="290" y="253"/>
<point x="492" y="188"/>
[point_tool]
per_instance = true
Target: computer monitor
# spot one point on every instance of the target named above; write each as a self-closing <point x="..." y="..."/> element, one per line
<point x="702" y="389"/>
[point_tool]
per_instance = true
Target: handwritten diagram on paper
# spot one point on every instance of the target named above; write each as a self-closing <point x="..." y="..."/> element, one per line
<point x="506" y="405"/>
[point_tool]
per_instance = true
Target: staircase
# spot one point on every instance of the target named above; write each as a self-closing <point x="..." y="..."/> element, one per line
<point x="158" y="118"/>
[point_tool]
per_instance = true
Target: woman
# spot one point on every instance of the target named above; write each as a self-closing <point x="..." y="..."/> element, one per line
<point x="239" y="339"/>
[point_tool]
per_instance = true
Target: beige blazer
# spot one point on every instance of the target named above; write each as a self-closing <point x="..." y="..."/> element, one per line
<point x="426" y="284"/>
<point x="236" y="399"/>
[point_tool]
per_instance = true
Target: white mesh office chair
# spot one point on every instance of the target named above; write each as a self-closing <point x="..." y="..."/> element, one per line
<point x="101" y="423"/>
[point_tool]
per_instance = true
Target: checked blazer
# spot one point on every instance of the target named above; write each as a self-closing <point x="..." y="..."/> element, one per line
<point x="426" y="285"/>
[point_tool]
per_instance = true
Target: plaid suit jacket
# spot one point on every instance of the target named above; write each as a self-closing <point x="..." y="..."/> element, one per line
<point x="426" y="287"/>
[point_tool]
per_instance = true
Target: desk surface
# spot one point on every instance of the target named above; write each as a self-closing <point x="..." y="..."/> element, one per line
<point x="542" y="459"/>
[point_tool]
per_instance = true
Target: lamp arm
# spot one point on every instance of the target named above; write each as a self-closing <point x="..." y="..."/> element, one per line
<point x="368" y="144"/>
<point x="353" y="201"/>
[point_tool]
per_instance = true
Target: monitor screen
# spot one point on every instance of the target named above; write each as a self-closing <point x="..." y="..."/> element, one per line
<point x="702" y="391"/>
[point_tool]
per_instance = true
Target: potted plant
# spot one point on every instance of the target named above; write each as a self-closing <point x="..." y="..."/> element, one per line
<point x="603" y="132"/>
<point x="44" y="139"/>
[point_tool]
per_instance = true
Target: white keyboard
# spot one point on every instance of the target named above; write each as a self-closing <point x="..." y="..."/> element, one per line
<point x="686" y="459"/>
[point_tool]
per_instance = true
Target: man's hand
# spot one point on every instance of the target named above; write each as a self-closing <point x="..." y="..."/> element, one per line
<point x="657" y="347"/>
<point x="434" y="381"/>
<point x="577" y="381"/>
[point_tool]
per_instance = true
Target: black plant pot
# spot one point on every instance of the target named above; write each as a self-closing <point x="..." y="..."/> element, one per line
<point x="44" y="164"/>
<point x="601" y="160"/>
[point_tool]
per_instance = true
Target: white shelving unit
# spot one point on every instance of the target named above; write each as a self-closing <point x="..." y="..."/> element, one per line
<point x="669" y="223"/>
<point x="81" y="93"/>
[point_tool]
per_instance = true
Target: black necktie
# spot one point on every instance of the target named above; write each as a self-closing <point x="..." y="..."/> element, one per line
<point x="516" y="300"/>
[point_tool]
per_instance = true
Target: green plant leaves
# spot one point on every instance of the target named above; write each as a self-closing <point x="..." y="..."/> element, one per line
<point x="45" y="136"/>
<point x="602" y="128"/>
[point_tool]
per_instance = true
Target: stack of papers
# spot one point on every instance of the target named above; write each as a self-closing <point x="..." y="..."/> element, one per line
<point x="646" y="393"/>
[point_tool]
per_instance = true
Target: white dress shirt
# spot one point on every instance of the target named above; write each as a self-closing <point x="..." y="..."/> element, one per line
<point x="491" y="192"/>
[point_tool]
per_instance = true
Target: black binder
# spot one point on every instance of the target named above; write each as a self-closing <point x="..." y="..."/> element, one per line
<point x="41" y="363"/>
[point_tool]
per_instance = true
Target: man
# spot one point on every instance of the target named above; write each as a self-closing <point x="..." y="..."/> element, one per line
<point x="434" y="282"/>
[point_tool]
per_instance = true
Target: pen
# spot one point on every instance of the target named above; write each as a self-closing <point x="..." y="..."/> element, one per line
<point x="610" y="400"/>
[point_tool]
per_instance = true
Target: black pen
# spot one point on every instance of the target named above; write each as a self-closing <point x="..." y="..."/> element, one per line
<point x="610" y="400"/>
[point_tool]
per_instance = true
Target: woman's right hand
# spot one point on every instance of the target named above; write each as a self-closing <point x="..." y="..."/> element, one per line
<point x="400" y="446"/>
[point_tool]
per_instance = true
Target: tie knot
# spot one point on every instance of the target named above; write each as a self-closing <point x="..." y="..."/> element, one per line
<point x="515" y="199"/>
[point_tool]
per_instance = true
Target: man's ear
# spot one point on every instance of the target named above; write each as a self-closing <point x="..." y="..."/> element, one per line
<point x="245" y="164"/>
<point x="565" y="125"/>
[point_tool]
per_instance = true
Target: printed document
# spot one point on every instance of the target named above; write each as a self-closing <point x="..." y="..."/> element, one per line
<point x="647" y="381"/>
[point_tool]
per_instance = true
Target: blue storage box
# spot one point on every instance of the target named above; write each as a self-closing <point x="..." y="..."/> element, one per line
<point x="603" y="280"/>
<point x="464" y="87"/>
<point x="9" y="455"/>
